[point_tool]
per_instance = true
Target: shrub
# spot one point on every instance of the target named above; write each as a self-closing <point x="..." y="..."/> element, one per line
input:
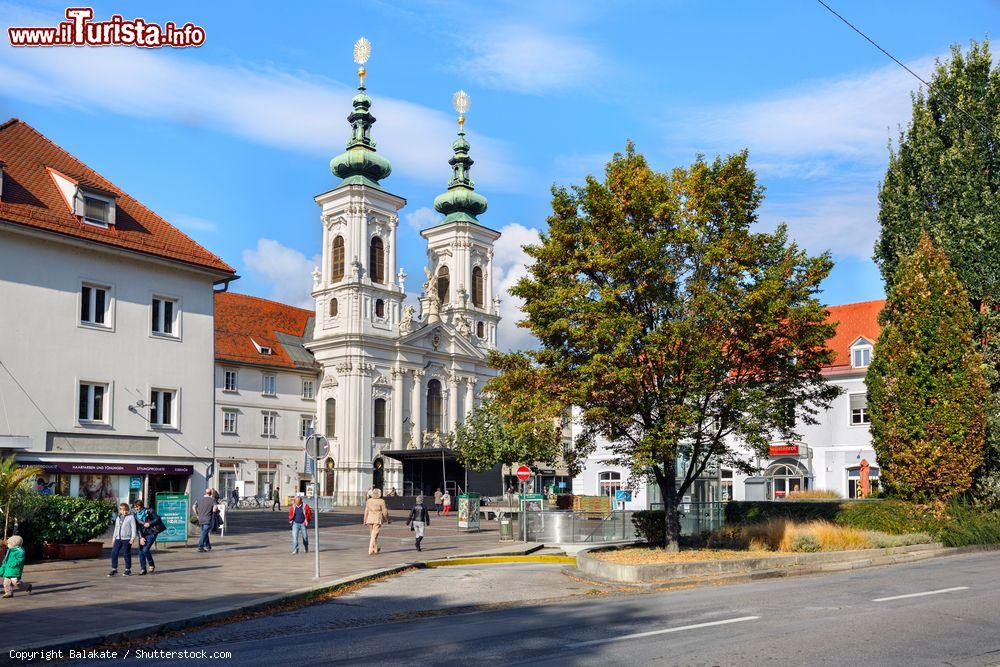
<point x="752" y="512"/>
<point x="651" y="526"/>
<point x="815" y="494"/>
<point x="965" y="526"/>
<point x="66" y="520"/>
<point x="830" y="537"/>
<point x="888" y="516"/>
<point x="806" y="543"/>
<point x="884" y="541"/>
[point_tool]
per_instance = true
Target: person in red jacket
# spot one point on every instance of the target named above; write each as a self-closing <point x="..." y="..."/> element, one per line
<point x="299" y="516"/>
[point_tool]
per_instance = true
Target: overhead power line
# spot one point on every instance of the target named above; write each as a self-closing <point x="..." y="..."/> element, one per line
<point x="916" y="76"/>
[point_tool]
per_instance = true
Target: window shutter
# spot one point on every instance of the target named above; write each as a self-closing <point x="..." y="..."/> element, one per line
<point x="859" y="401"/>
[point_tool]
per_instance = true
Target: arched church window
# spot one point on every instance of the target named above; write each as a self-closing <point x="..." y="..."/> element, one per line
<point x="337" y="259"/>
<point x="477" y="287"/>
<point x="331" y="418"/>
<point x="443" y="284"/>
<point x="379" y="308"/>
<point x="376" y="260"/>
<point x="480" y="330"/>
<point x="379" y="417"/>
<point x="333" y="307"/>
<point x="434" y="406"/>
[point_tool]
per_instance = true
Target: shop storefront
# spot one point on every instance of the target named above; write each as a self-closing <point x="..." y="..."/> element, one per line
<point x="120" y="482"/>
<point x="788" y="471"/>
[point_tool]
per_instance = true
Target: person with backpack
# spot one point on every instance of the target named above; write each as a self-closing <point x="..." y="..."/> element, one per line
<point x="124" y="536"/>
<point x="418" y="520"/>
<point x="12" y="567"/>
<point x="149" y="525"/>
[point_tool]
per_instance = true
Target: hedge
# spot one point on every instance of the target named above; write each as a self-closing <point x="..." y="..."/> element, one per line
<point x="888" y="516"/>
<point x="68" y="520"/>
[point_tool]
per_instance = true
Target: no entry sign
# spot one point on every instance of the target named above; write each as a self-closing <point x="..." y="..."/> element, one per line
<point x="523" y="473"/>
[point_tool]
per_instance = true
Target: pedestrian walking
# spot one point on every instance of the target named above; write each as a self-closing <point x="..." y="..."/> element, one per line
<point x="299" y="516"/>
<point x="418" y="520"/>
<point x="124" y="536"/>
<point x="12" y="567"/>
<point x="205" y="509"/>
<point x="376" y="513"/>
<point x="446" y="502"/>
<point x="235" y="497"/>
<point x="276" y="503"/>
<point x="149" y="525"/>
<point x="437" y="501"/>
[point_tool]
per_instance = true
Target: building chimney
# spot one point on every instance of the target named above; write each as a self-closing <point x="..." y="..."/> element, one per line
<point x="2" y="165"/>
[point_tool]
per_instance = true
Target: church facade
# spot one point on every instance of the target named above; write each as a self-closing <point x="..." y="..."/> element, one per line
<point x="394" y="377"/>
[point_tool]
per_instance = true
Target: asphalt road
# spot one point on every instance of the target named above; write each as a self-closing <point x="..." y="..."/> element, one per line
<point x="942" y="611"/>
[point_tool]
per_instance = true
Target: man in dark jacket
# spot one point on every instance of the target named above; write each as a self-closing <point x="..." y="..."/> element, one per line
<point x="150" y="525"/>
<point x="418" y="520"/>
<point x="205" y="509"/>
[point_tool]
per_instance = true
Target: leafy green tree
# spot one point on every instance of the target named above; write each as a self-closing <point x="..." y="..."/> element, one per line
<point x="681" y="335"/>
<point x="484" y="440"/>
<point x="943" y="179"/>
<point x="926" y="390"/>
<point x="15" y="485"/>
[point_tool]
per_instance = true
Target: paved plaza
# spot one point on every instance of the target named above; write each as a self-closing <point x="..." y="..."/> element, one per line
<point x="252" y="562"/>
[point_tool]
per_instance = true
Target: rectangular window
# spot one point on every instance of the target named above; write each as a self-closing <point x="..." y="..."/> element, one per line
<point x="269" y="384"/>
<point x="229" y="380"/>
<point x="92" y="402"/>
<point x="305" y="426"/>
<point x="162" y="407"/>
<point x="229" y="421"/>
<point x="96" y="211"/>
<point x="164" y="313"/>
<point x="861" y="357"/>
<point x="308" y="389"/>
<point x="859" y="409"/>
<point x="94" y="304"/>
<point x="269" y="424"/>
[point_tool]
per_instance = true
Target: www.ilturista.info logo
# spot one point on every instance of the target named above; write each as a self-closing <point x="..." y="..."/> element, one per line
<point x="80" y="30"/>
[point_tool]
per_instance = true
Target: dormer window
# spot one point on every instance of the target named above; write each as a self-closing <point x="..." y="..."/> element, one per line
<point x="861" y="353"/>
<point x="262" y="349"/>
<point x="95" y="208"/>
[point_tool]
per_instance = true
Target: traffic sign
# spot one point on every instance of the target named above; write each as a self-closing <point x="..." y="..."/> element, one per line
<point x="317" y="446"/>
<point x="523" y="473"/>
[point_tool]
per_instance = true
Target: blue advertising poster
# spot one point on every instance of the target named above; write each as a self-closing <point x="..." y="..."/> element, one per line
<point x="622" y="495"/>
<point x="310" y="465"/>
<point x="173" y="509"/>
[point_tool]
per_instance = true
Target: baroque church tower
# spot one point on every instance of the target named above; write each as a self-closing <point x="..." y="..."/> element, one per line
<point x="394" y="381"/>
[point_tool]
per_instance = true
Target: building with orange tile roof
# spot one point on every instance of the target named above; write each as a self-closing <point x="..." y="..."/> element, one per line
<point x="265" y="395"/>
<point x="828" y="456"/>
<point x="106" y="331"/>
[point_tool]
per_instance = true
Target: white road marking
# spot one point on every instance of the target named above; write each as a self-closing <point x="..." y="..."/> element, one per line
<point x="662" y="632"/>
<point x="919" y="595"/>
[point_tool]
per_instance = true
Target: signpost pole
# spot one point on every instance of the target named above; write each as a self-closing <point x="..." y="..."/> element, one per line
<point x="317" y="447"/>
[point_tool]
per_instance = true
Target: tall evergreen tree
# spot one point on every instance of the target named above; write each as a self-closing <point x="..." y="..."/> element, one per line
<point x="943" y="179"/>
<point x="678" y="330"/>
<point x="926" y="390"/>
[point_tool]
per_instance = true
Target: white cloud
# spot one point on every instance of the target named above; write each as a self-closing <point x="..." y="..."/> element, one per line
<point x="287" y="110"/>
<point x="523" y="58"/>
<point x="510" y="265"/>
<point x="286" y="270"/>
<point x="844" y="222"/>
<point x="422" y="218"/>
<point x="845" y="118"/>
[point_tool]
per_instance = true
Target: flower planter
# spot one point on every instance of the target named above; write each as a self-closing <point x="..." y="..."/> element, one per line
<point x="80" y="551"/>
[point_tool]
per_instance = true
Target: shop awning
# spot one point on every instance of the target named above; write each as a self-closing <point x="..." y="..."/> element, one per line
<point x="431" y="454"/>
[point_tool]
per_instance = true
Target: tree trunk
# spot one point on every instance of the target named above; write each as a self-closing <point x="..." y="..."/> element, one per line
<point x="668" y="490"/>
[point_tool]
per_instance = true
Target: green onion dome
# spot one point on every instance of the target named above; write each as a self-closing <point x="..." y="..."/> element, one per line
<point x="360" y="164"/>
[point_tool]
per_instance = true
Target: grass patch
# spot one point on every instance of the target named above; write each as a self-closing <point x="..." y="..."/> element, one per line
<point x="815" y="494"/>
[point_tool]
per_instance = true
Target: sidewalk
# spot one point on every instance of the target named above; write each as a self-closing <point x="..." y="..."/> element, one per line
<point x="252" y="562"/>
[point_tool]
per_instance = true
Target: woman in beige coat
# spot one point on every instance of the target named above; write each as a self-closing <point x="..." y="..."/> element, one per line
<point x="376" y="513"/>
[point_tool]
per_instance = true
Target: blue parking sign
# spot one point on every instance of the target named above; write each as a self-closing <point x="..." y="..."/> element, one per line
<point x="621" y="495"/>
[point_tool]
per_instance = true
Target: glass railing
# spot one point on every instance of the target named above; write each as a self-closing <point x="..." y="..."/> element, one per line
<point x="567" y="527"/>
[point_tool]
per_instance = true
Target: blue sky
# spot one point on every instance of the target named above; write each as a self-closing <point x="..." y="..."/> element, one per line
<point x="232" y="140"/>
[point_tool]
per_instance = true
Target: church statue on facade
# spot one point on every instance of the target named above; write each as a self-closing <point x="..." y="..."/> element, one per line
<point x="394" y="383"/>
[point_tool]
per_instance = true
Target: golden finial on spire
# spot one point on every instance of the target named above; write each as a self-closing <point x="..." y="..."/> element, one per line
<point x="362" y="51"/>
<point x="461" y="101"/>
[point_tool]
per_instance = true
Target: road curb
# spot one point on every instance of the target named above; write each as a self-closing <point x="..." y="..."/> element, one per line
<point x="82" y="641"/>
<point x="752" y="575"/>
<point x="485" y="560"/>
